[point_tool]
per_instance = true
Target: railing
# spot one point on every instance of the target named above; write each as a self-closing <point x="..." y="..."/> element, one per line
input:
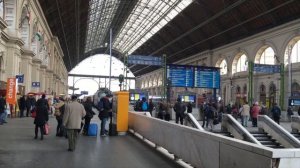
<point x="236" y="129"/>
<point x="192" y="120"/>
<point x="295" y="124"/>
<point x="277" y="132"/>
<point x="209" y="150"/>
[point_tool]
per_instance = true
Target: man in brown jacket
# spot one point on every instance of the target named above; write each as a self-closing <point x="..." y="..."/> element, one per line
<point x="74" y="113"/>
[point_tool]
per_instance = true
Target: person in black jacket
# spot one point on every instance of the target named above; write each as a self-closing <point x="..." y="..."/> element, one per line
<point x="179" y="109"/>
<point x="105" y="113"/>
<point x="22" y="106"/>
<point x="41" y="115"/>
<point x="59" y="115"/>
<point x="28" y="105"/>
<point x="189" y="107"/>
<point x="151" y="106"/>
<point x="88" y="106"/>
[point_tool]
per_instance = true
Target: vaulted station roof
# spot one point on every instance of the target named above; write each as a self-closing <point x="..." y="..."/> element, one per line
<point x="177" y="28"/>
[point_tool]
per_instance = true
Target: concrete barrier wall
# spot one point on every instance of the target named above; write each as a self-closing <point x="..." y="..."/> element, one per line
<point x="207" y="150"/>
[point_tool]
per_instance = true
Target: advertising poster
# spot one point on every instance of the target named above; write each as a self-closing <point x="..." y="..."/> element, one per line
<point x="11" y="91"/>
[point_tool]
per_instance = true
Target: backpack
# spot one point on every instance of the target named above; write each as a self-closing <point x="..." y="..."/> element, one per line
<point x="144" y="106"/>
<point x="276" y="111"/>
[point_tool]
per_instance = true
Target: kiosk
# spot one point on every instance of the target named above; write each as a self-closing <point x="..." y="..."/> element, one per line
<point x="120" y="107"/>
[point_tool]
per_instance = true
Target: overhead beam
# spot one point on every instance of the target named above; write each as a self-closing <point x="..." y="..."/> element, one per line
<point x="98" y="76"/>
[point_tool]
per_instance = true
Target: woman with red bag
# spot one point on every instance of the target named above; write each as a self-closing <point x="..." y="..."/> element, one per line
<point x="41" y="118"/>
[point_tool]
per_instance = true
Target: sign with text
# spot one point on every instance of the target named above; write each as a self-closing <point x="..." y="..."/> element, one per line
<point x="265" y="68"/>
<point x="35" y="84"/>
<point x="84" y="92"/>
<point x="11" y="91"/>
<point x="294" y="102"/>
<point x="194" y="76"/>
<point x="207" y="77"/>
<point x="144" y="60"/>
<point x="180" y="75"/>
<point x="20" y="78"/>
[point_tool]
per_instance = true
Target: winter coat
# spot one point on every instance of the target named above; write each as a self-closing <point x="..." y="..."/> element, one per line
<point x="179" y="108"/>
<point x="246" y="110"/>
<point x="73" y="115"/>
<point x="88" y="107"/>
<point x="41" y="108"/>
<point x="106" y="108"/>
<point x="22" y="103"/>
<point x="255" y="111"/>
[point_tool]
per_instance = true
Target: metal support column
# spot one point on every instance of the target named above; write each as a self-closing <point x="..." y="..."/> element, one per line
<point x="165" y="76"/>
<point x="282" y="91"/>
<point x="250" y="93"/>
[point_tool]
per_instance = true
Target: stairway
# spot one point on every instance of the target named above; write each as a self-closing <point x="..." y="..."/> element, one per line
<point x="228" y="134"/>
<point x="266" y="139"/>
<point x="296" y="135"/>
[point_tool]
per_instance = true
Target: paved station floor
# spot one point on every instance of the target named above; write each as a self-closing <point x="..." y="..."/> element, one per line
<point x="18" y="149"/>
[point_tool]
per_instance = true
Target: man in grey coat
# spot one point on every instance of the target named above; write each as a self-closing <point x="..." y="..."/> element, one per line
<point x="74" y="113"/>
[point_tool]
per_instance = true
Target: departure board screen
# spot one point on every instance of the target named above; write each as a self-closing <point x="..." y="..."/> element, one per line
<point x="180" y="75"/>
<point x="207" y="77"/>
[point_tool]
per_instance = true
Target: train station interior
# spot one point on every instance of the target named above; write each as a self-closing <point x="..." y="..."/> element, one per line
<point x="229" y="70"/>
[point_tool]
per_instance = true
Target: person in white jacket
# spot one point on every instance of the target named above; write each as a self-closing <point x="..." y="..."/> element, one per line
<point x="245" y="114"/>
<point x="73" y="115"/>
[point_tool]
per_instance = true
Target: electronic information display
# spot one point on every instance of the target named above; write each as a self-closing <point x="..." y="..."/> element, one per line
<point x="180" y="75"/>
<point x="207" y="77"/>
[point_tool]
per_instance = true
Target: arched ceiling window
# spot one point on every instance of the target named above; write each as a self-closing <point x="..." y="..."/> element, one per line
<point x="267" y="57"/>
<point x="242" y="64"/>
<point x="223" y="66"/>
<point x="295" y="55"/>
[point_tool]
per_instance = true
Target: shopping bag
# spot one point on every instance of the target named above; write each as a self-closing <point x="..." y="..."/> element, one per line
<point x="33" y="114"/>
<point x="46" y="129"/>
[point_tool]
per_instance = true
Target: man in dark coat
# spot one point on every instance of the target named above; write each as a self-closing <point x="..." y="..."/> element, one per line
<point x="179" y="109"/>
<point x="276" y="113"/>
<point x="28" y="105"/>
<point x="151" y="106"/>
<point x="22" y="106"/>
<point x="41" y="115"/>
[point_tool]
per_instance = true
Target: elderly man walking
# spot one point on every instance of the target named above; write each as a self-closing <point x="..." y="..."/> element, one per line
<point x="74" y="113"/>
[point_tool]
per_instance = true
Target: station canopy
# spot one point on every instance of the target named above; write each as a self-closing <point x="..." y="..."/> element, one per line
<point x="177" y="28"/>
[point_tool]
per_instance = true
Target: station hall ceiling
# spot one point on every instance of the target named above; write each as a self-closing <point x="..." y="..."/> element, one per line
<point x="177" y="28"/>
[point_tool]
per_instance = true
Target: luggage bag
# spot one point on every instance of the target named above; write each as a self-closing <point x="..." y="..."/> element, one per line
<point x="93" y="129"/>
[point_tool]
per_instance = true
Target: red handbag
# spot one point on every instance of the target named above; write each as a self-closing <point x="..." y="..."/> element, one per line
<point x="33" y="114"/>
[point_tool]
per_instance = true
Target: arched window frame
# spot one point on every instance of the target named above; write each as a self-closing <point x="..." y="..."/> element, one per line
<point x="242" y="63"/>
<point x="267" y="56"/>
<point x="223" y="66"/>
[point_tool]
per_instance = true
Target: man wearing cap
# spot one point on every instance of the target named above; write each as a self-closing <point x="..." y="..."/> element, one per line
<point x="74" y="112"/>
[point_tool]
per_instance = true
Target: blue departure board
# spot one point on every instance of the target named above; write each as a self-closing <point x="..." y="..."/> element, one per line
<point x="207" y="77"/>
<point x="180" y="75"/>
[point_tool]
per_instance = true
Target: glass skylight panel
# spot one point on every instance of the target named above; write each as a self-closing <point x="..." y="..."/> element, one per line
<point x="147" y="18"/>
<point x="101" y="14"/>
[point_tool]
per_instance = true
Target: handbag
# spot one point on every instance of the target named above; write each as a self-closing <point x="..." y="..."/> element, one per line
<point x="46" y="129"/>
<point x="33" y="114"/>
<point x="57" y="113"/>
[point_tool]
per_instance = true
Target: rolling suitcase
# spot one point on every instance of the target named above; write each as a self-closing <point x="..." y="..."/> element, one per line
<point x="93" y="129"/>
<point x="112" y="130"/>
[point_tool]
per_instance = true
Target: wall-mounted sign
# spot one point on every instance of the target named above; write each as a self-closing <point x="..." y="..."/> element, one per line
<point x="35" y="84"/>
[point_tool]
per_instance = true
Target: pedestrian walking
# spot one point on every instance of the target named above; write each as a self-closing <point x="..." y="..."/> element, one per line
<point x="74" y="113"/>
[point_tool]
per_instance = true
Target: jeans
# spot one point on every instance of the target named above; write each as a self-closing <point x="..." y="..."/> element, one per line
<point x="2" y="116"/>
<point x="86" y="125"/>
<point x="59" y="129"/>
<point x="245" y="120"/>
<point x="103" y="123"/>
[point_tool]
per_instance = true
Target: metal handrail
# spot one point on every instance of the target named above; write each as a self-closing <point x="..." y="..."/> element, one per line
<point x="194" y="122"/>
<point x="240" y="129"/>
<point x="279" y="130"/>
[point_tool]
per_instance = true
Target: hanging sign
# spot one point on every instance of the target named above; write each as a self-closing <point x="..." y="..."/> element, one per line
<point x="11" y="91"/>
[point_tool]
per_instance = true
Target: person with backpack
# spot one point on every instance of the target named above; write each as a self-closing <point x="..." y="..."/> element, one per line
<point x="179" y="109"/>
<point x="144" y="104"/>
<point x="105" y="111"/>
<point x="276" y="113"/>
